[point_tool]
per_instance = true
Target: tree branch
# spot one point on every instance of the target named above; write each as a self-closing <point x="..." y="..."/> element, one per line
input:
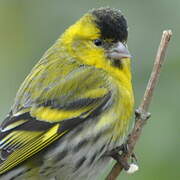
<point x="142" y="112"/>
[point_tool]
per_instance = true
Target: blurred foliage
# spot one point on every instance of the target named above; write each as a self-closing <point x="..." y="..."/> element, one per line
<point x="28" y="28"/>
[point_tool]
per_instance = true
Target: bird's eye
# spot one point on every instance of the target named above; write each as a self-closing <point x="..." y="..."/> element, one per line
<point x="98" y="42"/>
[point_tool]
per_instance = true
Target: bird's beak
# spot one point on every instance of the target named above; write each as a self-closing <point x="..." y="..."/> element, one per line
<point x="119" y="51"/>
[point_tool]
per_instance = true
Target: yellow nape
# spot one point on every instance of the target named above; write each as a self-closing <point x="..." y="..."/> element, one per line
<point x="83" y="28"/>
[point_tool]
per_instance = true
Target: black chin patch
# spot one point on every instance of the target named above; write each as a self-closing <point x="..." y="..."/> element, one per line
<point x="111" y="23"/>
<point x="117" y="63"/>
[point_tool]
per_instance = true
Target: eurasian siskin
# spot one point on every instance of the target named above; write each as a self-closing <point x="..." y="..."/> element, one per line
<point x="73" y="106"/>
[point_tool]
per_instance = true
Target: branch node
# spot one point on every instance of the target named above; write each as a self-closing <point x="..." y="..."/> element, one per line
<point x="141" y="114"/>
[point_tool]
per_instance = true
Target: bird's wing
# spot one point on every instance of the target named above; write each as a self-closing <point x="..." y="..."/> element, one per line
<point x="38" y="119"/>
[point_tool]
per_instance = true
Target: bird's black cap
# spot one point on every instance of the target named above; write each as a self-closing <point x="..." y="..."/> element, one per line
<point x="111" y="23"/>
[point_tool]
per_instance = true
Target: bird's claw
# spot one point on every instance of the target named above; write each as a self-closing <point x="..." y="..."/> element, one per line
<point x="116" y="155"/>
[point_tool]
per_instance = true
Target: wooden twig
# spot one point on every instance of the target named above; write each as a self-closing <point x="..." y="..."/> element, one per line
<point x="142" y="111"/>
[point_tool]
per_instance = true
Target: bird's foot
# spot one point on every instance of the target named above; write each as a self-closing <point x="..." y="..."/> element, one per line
<point x="117" y="154"/>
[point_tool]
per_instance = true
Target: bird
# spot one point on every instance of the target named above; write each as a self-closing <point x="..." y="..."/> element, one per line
<point x="74" y="106"/>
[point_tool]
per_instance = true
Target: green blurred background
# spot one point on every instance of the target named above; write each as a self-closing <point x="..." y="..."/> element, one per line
<point x="29" y="27"/>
